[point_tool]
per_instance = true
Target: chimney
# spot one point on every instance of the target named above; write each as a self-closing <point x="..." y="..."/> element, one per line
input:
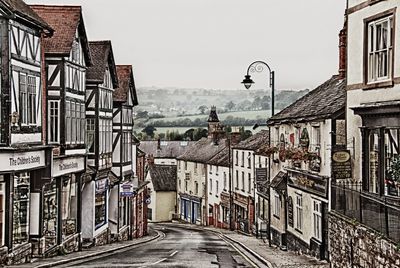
<point x="235" y="136"/>
<point x="343" y="51"/>
<point x="150" y="160"/>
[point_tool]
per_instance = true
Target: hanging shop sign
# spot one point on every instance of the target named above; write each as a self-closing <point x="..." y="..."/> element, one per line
<point x="14" y="161"/>
<point x="341" y="165"/>
<point x="304" y="139"/>
<point x="62" y="166"/>
<point x="101" y="186"/>
<point x="126" y="189"/>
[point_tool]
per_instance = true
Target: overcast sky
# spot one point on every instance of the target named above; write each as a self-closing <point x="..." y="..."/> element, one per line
<point x="210" y="43"/>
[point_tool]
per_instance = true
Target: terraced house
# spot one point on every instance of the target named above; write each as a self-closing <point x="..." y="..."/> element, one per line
<point x="67" y="57"/>
<point x="25" y="159"/>
<point x="100" y="194"/>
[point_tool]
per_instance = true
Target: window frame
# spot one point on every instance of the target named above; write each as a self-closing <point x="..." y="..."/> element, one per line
<point x="388" y="82"/>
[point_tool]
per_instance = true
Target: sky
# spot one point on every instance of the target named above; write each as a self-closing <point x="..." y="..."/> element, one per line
<point x="210" y="43"/>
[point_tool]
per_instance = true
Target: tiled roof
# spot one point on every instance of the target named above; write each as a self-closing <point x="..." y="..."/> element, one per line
<point x="203" y="150"/>
<point x="65" y="20"/>
<point x="325" y="101"/>
<point x="254" y="142"/>
<point x="163" y="177"/>
<point x="220" y="159"/>
<point x="125" y="78"/>
<point x="25" y="11"/>
<point x="168" y="149"/>
<point x="102" y="56"/>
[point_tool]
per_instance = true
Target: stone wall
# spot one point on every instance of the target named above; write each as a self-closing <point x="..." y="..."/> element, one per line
<point x="103" y="238"/>
<point x="354" y="245"/>
<point x="123" y="234"/>
<point x="20" y="254"/>
<point x="295" y="244"/>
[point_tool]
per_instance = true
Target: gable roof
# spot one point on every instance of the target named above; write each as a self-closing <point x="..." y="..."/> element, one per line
<point x="65" y="20"/>
<point x="163" y="177"/>
<point x="221" y="158"/>
<point x="254" y="142"/>
<point x="102" y="56"/>
<point x="24" y="11"/>
<point x="168" y="149"/>
<point x="125" y="80"/>
<point x="203" y="150"/>
<point x="323" y="102"/>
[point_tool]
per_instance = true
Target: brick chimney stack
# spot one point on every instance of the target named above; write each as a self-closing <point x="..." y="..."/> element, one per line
<point x="343" y="51"/>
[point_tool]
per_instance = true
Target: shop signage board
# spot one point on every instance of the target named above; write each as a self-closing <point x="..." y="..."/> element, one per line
<point x="14" y="161"/>
<point x="127" y="190"/>
<point x="341" y="165"/>
<point x="62" y="166"/>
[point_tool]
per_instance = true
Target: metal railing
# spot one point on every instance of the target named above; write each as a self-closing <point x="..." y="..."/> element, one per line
<point x="381" y="213"/>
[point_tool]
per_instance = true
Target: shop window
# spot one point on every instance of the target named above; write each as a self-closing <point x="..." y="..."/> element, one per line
<point x="101" y="203"/>
<point x="123" y="211"/>
<point x="50" y="213"/>
<point x="20" y="232"/>
<point x="69" y="205"/>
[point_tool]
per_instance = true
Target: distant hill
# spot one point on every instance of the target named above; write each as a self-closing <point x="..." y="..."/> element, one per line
<point x="174" y="102"/>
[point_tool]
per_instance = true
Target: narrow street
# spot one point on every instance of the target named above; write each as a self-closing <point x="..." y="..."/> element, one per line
<point x="177" y="247"/>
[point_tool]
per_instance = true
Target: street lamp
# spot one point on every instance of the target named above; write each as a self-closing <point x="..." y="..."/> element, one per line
<point x="258" y="66"/>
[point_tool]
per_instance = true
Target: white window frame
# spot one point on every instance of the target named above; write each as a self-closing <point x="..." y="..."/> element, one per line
<point x="54" y="121"/>
<point x="317" y="219"/>
<point x="299" y="212"/>
<point x="375" y="54"/>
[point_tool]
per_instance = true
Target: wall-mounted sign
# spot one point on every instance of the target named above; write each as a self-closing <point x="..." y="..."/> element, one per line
<point x="101" y="186"/>
<point x="126" y="189"/>
<point x="14" y="161"/>
<point x="341" y="165"/>
<point x="62" y="166"/>
<point x="304" y="139"/>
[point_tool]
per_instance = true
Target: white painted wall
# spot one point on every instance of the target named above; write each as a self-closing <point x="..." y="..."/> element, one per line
<point x="248" y="169"/>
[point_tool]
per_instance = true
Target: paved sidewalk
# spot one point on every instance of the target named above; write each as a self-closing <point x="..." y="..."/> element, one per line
<point x="275" y="256"/>
<point x="87" y="253"/>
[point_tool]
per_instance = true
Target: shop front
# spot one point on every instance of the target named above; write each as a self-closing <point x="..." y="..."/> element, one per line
<point x="241" y="210"/>
<point x="191" y="208"/>
<point x="22" y="174"/>
<point x="61" y="206"/>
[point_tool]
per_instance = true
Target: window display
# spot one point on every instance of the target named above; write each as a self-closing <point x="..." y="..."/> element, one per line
<point x="69" y="205"/>
<point x="21" y="208"/>
<point x="50" y="213"/>
<point x="101" y="203"/>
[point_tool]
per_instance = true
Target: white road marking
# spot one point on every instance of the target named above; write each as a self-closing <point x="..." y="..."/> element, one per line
<point x="173" y="253"/>
<point x="157" y="262"/>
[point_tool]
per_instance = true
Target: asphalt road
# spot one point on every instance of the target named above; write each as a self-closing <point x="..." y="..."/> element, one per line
<point x="177" y="247"/>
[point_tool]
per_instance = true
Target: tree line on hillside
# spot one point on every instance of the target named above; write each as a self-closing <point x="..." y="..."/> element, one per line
<point x="192" y="134"/>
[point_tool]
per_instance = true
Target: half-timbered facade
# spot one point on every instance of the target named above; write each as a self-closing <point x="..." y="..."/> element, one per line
<point x="67" y="57"/>
<point x="24" y="158"/>
<point x="102" y="192"/>
<point x="124" y="99"/>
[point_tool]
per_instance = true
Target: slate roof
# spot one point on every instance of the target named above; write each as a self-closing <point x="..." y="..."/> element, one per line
<point x="125" y="78"/>
<point x="169" y="149"/>
<point x="65" y="20"/>
<point x="220" y="159"/>
<point x="203" y="150"/>
<point x="163" y="177"/>
<point x="254" y="142"/>
<point x="325" y="101"/>
<point x="23" y="10"/>
<point x="102" y="56"/>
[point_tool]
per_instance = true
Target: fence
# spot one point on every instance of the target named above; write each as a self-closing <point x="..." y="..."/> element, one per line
<point x="377" y="212"/>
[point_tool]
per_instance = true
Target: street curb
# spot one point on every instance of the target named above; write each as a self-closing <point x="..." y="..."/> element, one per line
<point x="60" y="262"/>
<point x="252" y="252"/>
